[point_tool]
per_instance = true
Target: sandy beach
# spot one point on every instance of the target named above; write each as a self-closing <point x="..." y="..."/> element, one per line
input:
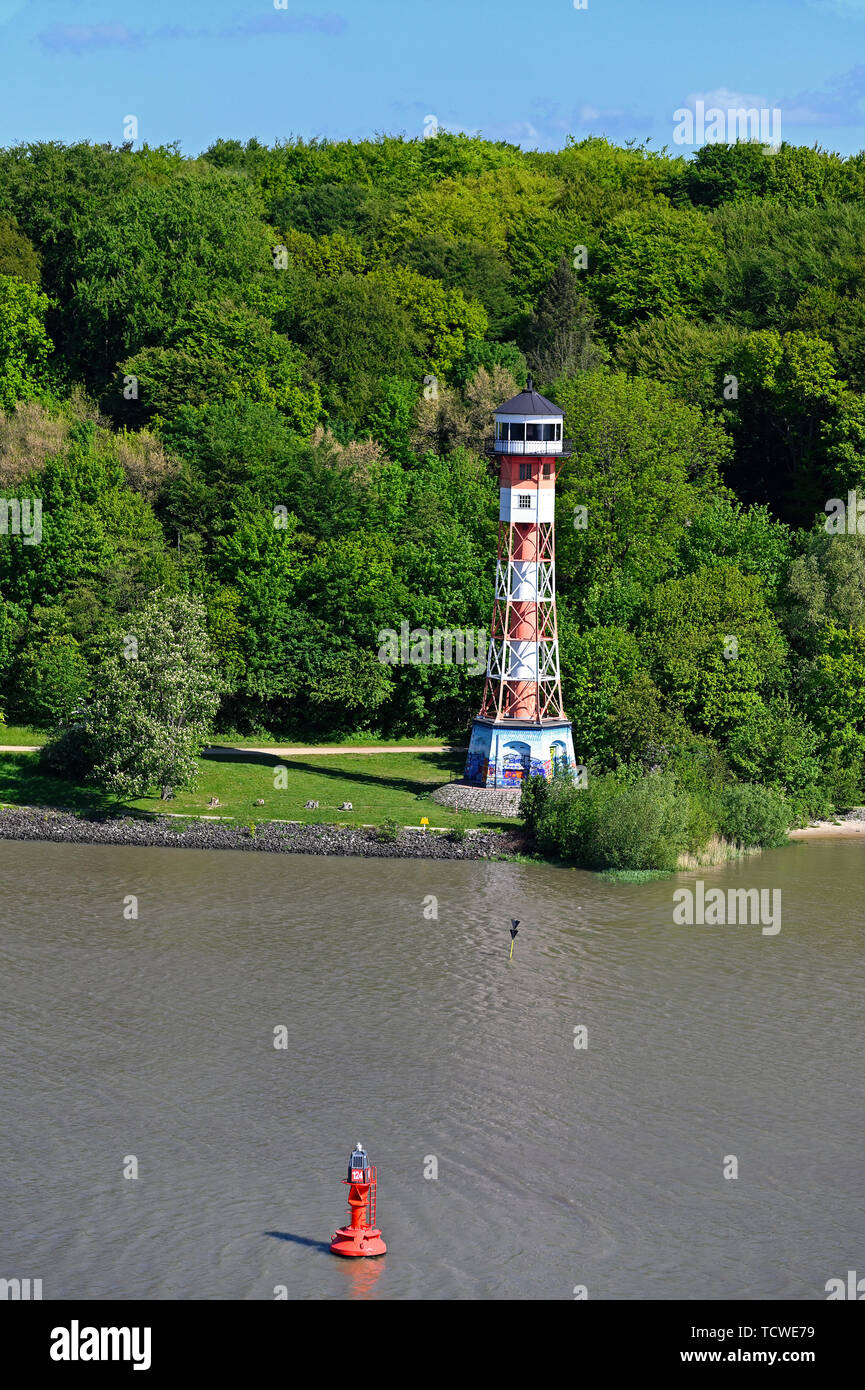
<point x="853" y="824"/>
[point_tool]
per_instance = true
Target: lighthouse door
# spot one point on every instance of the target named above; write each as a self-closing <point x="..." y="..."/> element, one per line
<point x="516" y="763"/>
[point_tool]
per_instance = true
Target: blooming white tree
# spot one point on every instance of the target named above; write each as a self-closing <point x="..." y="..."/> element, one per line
<point x="156" y="700"/>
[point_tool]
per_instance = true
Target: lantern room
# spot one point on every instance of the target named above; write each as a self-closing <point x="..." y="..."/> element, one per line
<point x="529" y="424"/>
<point x="358" y="1164"/>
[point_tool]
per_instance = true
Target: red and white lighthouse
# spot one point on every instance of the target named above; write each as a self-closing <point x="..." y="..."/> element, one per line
<point x="522" y="729"/>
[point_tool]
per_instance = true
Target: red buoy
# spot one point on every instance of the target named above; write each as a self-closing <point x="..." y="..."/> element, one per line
<point x="362" y="1236"/>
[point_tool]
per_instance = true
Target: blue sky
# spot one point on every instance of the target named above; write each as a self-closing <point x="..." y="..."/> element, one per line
<point x="531" y="73"/>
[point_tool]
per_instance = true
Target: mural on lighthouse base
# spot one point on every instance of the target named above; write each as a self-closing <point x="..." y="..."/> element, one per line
<point x="522" y="730"/>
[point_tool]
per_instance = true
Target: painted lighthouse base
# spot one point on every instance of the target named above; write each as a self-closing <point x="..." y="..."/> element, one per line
<point x="504" y="752"/>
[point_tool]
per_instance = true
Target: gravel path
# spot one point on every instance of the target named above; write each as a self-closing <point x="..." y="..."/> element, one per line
<point x="324" y="750"/>
<point x="321" y="750"/>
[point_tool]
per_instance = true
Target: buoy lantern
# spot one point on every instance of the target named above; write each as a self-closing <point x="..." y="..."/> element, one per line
<point x="361" y="1236"/>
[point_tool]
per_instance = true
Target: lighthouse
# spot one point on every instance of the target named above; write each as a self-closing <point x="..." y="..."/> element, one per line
<point x="521" y="730"/>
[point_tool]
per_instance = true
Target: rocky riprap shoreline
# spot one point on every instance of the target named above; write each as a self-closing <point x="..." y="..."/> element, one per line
<point x="275" y="837"/>
<point x="491" y="801"/>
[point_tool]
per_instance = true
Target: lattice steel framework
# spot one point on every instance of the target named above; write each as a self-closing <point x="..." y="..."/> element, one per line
<point x="524" y="626"/>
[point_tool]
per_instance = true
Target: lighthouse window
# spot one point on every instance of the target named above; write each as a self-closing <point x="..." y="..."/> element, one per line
<point x="525" y="471"/>
<point x="518" y="431"/>
<point x="547" y="470"/>
<point x="559" y="430"/>
<point x="524" y="500"/>
<point x="533" y="431"/>
<point x="549" y="431"/>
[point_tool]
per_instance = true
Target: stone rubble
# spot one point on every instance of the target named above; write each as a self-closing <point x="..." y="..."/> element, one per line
<point x="167" y="832"/>
<point x="498" y="801"/>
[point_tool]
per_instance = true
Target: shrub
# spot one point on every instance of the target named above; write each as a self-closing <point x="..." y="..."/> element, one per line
<point x="754" y="816"/>
<point x="30" y="433"/>
<point x="71" y="753"/>
<point x="615" y="824"/>
<point x="685" y="632"/>
<point x="699" y="766"/>
<point x="844" y="777"/>
<point x="145" y="461"/>
<point x="646" y="827"/>
<point x="567" y="822"/>
<point x="389" y="830"/>
<point x="778" y="747"/>
<point x="52" y="680"/>
<point x="702" y="822"/>
<point x="480" y="352"/>
<point x="533" y="799"/>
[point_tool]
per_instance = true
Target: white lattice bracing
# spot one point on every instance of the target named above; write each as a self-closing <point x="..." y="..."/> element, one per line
<point x="526" y="581"/>
<point x="524" y="648"/>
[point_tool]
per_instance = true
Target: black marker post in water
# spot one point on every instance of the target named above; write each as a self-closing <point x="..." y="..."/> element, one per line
<point x="514" y="925"/>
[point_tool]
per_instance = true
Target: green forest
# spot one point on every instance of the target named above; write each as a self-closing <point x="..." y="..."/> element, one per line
<point x="251" y="388"/>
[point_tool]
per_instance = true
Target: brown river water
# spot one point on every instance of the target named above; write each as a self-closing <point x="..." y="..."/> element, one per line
<point x="601" y="1166"/>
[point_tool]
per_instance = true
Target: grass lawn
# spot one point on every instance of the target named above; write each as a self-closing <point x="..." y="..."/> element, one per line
<point x="19" y="733"/>
<point x="379" y="786"/>
<point x="353" y="741"/>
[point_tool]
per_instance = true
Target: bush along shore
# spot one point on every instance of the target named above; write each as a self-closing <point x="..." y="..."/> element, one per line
<point x="651" y="823"/>
<point x="276" y="837"/>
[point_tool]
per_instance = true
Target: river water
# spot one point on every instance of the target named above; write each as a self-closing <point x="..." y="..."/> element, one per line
<point x="557" y="1167"/>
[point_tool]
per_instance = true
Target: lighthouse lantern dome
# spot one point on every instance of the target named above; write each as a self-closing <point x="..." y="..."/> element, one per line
<point x="358" y="1164"/>
<point x="528" y="424"/>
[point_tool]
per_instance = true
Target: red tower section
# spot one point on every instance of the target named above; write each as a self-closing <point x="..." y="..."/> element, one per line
<point x="523" y="680"/>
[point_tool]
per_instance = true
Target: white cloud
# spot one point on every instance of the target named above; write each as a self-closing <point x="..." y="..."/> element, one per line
<point x="514" y="132"/>
<point x="728" y="100"/>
